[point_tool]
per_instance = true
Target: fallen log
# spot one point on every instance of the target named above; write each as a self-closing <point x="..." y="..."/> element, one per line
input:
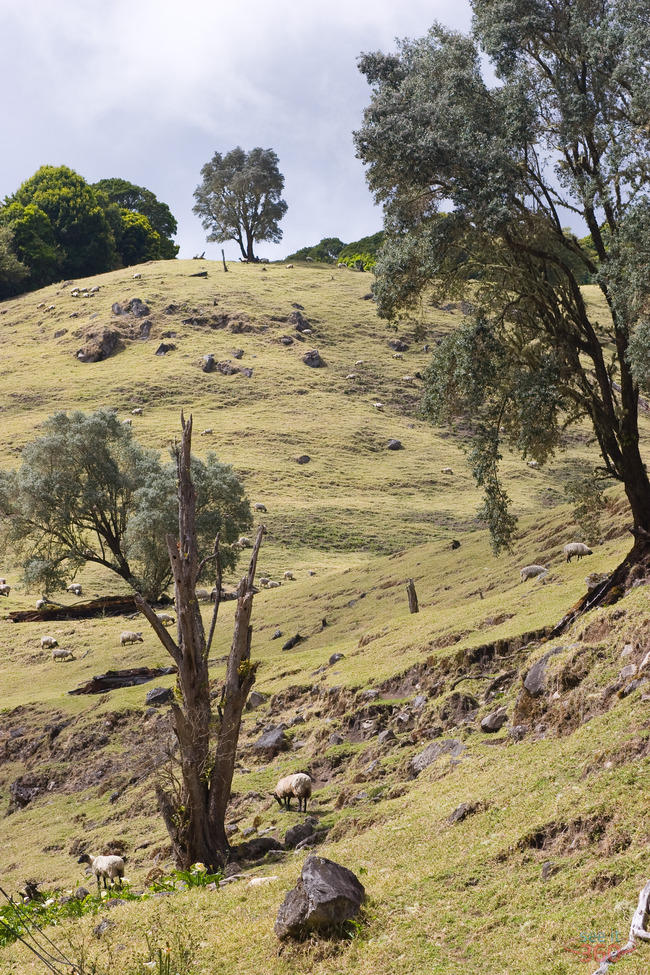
<point x="114" y="679"/>
<point x="104" y="606"/>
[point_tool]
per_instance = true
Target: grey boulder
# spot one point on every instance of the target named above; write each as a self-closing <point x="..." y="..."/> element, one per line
<point x="326" y="896"/>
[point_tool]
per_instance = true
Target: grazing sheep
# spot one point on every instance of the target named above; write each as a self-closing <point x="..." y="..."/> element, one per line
<point x="62" y="654"/>
<point x="288" y="575"/>
<point x="5" y="589"/>
<point x="259" y="506"/>
<point x="43" y="603"/>
<point x="137" y="411"/>
<point x="244" y="542"/>
<point x="577" y="550"/>
<point x="533" y="464"/>
<point x="531" y="571"/>
<point x="273" y="585"/>
<point x="311" y="572"/>
<point x="359" y="362"/>
<point x="398" y="355"/>
<point x="128" y="422"/>
<point x="264" y="581"/>
<point x="446" y="470"/>
<point x="136" y="276"/>
<point x="166" y="619"/>
<point x="128" y="636"/>
<point x="75" y="587"/>
<point x="106" y="868"/>
<point x="202" y="595"/>
<point x="351" y="375"/>
<point x="206" y="433"/>
<point x="297" y="785"/>
<point x="378" y="406"/>
<point x="48" y="642"/>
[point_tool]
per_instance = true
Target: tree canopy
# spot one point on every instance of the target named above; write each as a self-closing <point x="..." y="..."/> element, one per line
<point x="139" y="200"/>
<point x="565" y="130"/>
<point x="239" y="198"/>
<point x="87" y="491"/>
<point x="12" y="271"/>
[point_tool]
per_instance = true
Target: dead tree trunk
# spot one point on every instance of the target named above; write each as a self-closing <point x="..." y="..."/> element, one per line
<point x="223" y="258"/>
<point x="412" y="597"/>
<point x="195" y="808"/>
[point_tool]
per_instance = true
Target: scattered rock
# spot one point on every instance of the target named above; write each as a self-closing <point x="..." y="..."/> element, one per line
<point x="419" y="701"/>
<point x="518" y="731"/>
<point x="335" y="739"/>
<point x="226" y="368"/>
<point x="395" y="445"/>
<point x="272" y="742"/>
<point x="207" y="363"/>
<point x="100" y="343"/>
<point x="628" y="671"/>
<point x="326" y="895"/>
<point x="134" y="307"/>
<point x="247" y="372"/>
<point x="81" y="893"/>
<point x="398" y="345"/>
<point x="277" y="635"/>
<point x="59" y="332"/>
<point x="455" y="544"/>
<point x="299" y="832"/>
<point x="313" y="359"/>
<point x="463" y="811"/>
<point x="255" y="700"/>
<point x="299" y="321"/>
<point x="494" y="722"/>
<point x="334" y="659"/>
<point x="432" y="752"/>
<point x="164" y="348"/>
<point x="103" y="926"/>
<point x="385" y="736"/>
<point x="292" y="642"/>
<point x="535" y="679"/>
<point x="303" y="459"/>
<point x="286" y="340"/>
<point x="237" y="353"/>
<point x="548" y="869"/>
<point x="159" y="695"/>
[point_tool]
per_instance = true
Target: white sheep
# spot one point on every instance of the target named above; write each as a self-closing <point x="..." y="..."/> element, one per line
<point x="128" y="422"/>
<point x="273" y="585"/>
<point x="532" y="571"/>
<point x="264" y="581"/>
<point x="297" y="785"/>
<point x="202" y="595"/>
<point x="42" y="604"/>
<point x="136" y="276"/>
<point x="75" y="587"/>
<point x="576" y="550"/>
<point x="351" y="375"/>
<point x="288" y="575"/>
<point x="128" y="636"/>
<point x="166" y="619"/>
<point x="137" y="411"/>
<point x="4" y="589"/>
<point x="48" y="642"/>
<point x="378" y="406"/>
<point x="398" y="355"/>
<point x="259" y="506"/>
<point x="533" y="464"/>
<point x="207" y="432"/>
<point x="446" y="470"/>
<point x="108" y="867"/>
<point x="60" y="653"/>
<point x="359" y="362"/>
<point x="244" y="542"/>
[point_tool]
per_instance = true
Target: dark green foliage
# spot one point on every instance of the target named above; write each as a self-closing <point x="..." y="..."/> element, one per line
<point x="566" y="127"/>
<point x="87" y="491"/>
<point x="639" y="353"/>
<point x="12" y="271"/>
<point x="34" y="243"/>
<point x="326" y="250"/>
<point x="140" y="200"/>
<point x="136" y="240"/>
<point x="76" y="235"/>
<point x="240" y="199"/>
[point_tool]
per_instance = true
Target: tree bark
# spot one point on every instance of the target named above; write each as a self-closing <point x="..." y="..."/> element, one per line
<point x="194" y="814"/>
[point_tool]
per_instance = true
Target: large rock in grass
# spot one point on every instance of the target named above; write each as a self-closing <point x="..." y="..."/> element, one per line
<point x="100" y="343"/>
<point x="314" y="359"/>
<point x="451" y="747"/>
<point x="326" y="896"/>
<point x="272" y="742"/>
<point x="535" y="679"/>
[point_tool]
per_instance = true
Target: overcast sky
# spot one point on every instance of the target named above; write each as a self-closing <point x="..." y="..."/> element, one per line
<point x="148" y="90"/>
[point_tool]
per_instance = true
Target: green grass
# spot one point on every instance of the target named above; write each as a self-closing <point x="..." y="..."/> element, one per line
<point x="442" y="899"/>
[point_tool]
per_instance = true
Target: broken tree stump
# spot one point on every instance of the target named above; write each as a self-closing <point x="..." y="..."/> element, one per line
<point x="412" y="597"/>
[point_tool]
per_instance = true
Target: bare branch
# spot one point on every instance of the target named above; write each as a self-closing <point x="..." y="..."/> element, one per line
<point x="217" y="596"/>
<point x="163" y="635"/>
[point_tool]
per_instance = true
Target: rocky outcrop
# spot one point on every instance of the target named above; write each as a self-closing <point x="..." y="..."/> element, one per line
<point x="326" y="896"/>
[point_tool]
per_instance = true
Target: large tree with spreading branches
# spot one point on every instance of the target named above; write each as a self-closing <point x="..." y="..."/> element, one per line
<point x="240" y="198"/>
<point x="87" y="491"/>
<point x="564" y="133"/>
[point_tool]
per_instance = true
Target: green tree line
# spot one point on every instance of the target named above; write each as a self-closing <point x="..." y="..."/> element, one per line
<point x="56" y="225"/>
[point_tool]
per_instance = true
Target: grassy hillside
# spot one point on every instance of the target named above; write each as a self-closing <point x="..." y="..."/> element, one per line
<point x="470" y="896"/>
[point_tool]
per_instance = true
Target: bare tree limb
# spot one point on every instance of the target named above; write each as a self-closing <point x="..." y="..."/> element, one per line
<point x="217" y="595"/>
<point x="637" y="930"/>
<point x="163" y="634"/>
